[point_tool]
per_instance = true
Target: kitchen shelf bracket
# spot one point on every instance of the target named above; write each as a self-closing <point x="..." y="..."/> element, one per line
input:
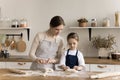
<point x="90" y="31"/>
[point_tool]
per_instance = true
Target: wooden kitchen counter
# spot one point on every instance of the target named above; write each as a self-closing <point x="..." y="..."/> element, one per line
<point x="15" y="60"/>
<point x="8" y="77"/>
<point x="88" y="60"/>
<point x="95" y="60"/>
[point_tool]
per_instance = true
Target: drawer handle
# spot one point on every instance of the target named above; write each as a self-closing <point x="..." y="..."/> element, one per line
<point x="102" y="66"/>
<point x="21" y="63"/>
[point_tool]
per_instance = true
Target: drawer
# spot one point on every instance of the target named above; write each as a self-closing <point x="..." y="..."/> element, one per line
<point x="87" y="67"/>
<point x="18" y="65"/>
<point x="101" y="67"/>
<point x="2" y="64"/>
<point x="117" y="67"/>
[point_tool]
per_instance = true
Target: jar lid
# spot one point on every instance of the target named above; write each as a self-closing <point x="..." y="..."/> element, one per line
<point x="93" y="19"/>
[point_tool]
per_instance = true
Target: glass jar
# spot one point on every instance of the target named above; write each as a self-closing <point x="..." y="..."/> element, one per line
<point x="106" y="22"/>
<point x="15" y="23"/>
<point x="6" y="22"/>
<point x="23" y="23"/>
<point x="93" y="23"/>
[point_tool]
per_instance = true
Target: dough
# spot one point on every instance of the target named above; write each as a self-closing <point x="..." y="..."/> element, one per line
<point x="47" y="70"/>
<point x="16" y="71"/>
<point x="105" y="74"/>
<point x="70" y="71"/>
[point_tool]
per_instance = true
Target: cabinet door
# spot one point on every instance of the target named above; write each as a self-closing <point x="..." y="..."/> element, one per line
<point x="2" y="64"/>
<point x="18" y="65"/>
<point x="117" y="67"/>
<point x="101" y="67"/>
<point x="87" y="67"/>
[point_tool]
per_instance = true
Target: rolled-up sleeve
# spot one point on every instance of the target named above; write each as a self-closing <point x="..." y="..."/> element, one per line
<point x="34" y="47"/>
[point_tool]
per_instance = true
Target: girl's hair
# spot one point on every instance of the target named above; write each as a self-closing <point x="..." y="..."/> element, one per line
<point x="73" y="35"/>
<point x="56" y="21"/>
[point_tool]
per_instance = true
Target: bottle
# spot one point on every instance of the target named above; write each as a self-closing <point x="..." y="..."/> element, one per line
<point x="23" y="23"/>
<point x="93" y="23"/>
<point x="117" y="19"/>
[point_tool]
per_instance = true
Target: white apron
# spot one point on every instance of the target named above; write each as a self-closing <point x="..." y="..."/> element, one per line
<point x="45" y="50"/>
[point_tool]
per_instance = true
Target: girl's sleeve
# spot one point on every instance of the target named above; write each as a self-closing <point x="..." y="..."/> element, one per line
<point x="81" y="59"/>
<point x="63" y="59"/>
<point x="34" y="48"/>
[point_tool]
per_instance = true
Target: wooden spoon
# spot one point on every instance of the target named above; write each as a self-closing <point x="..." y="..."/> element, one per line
<point x="7" y="42"/>
<point x="13" y="44"/>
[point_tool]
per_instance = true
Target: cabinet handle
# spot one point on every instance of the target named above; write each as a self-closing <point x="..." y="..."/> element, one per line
<point x="101" y="66"/>
<point x="21" y="63"/>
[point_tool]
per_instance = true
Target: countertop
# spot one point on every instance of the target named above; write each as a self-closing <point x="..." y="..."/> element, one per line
<point x="3" y="76"/>
<point x="88" y="60"/>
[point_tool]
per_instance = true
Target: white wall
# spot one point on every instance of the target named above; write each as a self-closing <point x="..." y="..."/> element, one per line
<point x="39" y="13"/>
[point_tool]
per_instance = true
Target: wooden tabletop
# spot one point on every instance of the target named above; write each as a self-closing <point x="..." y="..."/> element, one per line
<point x="94" y="60"/>
<point x="3" y="76"/>
<point x="88" y="60"/>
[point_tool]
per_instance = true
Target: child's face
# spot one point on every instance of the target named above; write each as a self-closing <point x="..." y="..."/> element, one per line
<point x="72" y="43"/>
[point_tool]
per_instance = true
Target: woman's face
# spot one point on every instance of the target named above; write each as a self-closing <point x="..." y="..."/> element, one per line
<point x="72" y="43"/>
<point x="56" y="30"/>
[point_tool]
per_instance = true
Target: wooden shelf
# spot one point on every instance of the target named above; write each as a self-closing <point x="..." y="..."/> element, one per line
<point x="90" y="29"/>
<point x="93" y="27"/>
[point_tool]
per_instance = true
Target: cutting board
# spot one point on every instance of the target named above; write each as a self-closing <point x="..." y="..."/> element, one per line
<point x="21" y="45"/>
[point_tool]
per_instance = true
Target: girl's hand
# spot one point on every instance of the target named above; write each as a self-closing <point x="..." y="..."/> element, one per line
<point x="65" y="67"/>
<point x="51" y="61"/>
<point x="78" y="68"/>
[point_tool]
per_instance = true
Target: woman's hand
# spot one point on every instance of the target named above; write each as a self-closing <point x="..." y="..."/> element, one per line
<point x="78" y="68"/>
<point x="41" y="61"/>
<point x="51" y="61"/>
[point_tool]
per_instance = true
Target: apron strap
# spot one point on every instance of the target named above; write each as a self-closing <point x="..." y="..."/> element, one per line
<point x="76" y="52"/>
<point x="68" y="51"/>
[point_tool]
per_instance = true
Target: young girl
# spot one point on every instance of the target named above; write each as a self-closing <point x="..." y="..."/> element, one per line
<point x="72" y="58"/>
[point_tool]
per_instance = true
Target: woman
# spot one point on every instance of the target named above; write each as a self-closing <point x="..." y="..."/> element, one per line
<point x="48" y="45"/>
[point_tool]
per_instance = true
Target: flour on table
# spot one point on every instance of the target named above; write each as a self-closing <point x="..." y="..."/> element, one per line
<point x="47" y="73"/>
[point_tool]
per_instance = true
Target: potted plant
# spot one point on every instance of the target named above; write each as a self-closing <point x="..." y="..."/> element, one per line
<point x="103" y="44"/>
<point x="83" y="22"/>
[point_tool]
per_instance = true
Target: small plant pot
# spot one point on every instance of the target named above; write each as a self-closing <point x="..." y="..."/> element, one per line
<point x="83" y="24"/>
<point x="103" y="52"/>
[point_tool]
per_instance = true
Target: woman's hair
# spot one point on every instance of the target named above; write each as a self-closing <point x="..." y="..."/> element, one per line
<point x="73" y="35"/>
<point x="56" y="21"/>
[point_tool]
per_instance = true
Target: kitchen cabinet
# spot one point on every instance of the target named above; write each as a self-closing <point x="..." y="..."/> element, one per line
<point x="12" y="29"/>
<point x="90" y="29"/>
<point x="2" y="64"/>
<point x="117" y="67"/>
<point x="18" y="65"/>
<point x="101" y="67"/>
<point x="87" y="67"/>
